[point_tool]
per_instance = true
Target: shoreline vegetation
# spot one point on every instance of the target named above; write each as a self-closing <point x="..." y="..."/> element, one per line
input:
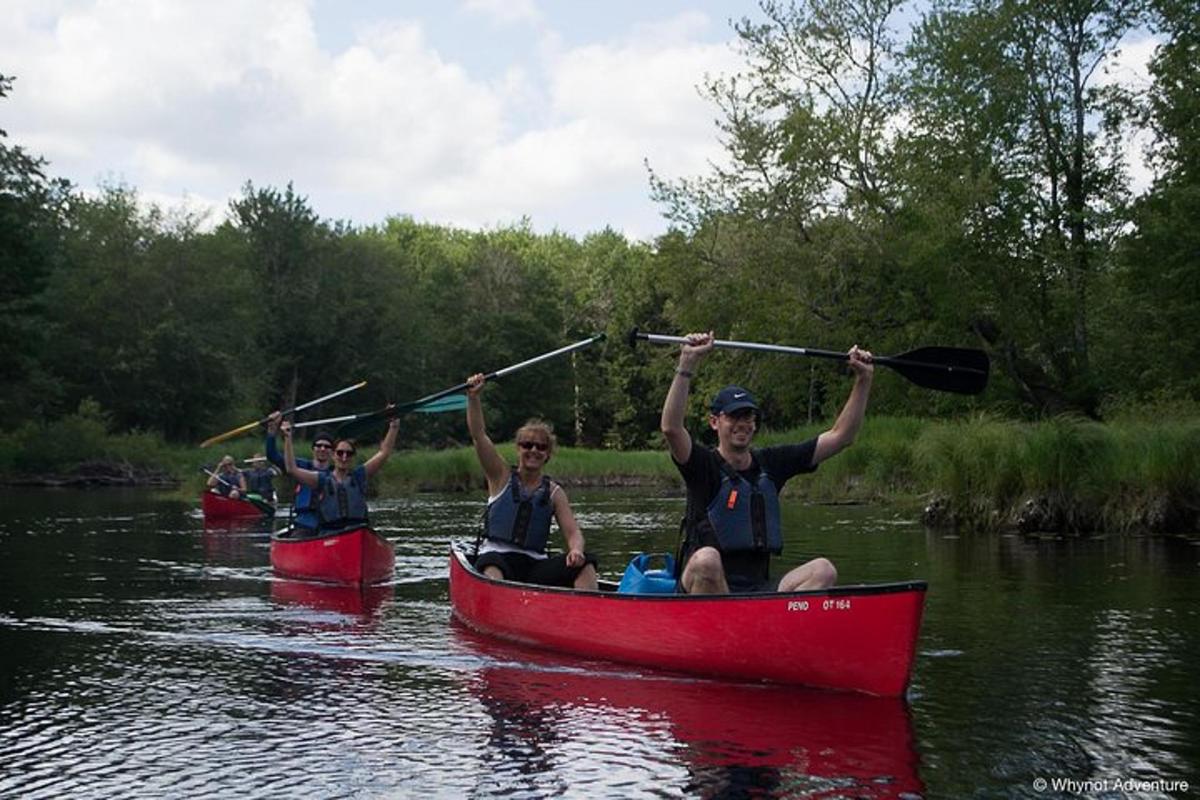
<point x="980" y="473"/>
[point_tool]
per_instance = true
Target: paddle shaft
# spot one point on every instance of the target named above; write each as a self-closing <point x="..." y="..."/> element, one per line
<point x="218" y="477"/>
<point x="252" y="425"/>
<point x="500" y="373"/>
<point x="945" y="368"/>
<point x="431" y="408"/>
<point x="312" y="403"/>
<point x="402" y="408"/>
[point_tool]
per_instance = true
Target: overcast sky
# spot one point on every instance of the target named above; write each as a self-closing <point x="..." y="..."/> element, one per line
<point x="472" y="113"/>
<point x="466" y="112"/>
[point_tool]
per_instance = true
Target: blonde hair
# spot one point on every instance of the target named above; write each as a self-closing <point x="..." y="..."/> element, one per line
<point x="539" y="425"/>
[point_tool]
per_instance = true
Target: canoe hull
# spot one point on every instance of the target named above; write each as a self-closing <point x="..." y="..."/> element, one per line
<point x="358" y="556"/>
<point x="857" y="638"/>
<point x="219" y="507"/>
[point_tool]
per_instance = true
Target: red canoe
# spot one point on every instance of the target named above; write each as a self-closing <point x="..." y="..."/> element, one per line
<point x="358" y="556"/>
<point x="859" y="638"/>
<point x="219" y="507"/>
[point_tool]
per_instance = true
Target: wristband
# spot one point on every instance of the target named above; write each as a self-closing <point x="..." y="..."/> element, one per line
<point x="683" y="372"/>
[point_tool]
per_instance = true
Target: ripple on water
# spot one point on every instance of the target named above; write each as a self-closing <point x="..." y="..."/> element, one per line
<point x="145" y="655"/>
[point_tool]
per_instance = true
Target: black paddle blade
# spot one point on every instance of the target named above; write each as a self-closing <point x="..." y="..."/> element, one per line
<point x="947" y="369"/>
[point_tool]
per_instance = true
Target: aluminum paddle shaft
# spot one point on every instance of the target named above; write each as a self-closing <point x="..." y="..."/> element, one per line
<point x="361" y="422"/>
<point x="946" y="369"/>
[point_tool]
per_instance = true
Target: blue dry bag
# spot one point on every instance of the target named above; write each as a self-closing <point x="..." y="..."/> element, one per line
<point x="638" y="579"/>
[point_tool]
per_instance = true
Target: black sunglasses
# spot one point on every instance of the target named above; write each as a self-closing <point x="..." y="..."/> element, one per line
<point x="322" y="446"/>
<point x="343" y="453"/>
<point x="541" y="447"/>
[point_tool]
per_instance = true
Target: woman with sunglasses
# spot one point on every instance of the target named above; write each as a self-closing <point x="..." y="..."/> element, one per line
<point x="522" y="500"/>
<point x="228" y="480"/>
<point x="341" y="492"/>
<point x="305" y="504"/>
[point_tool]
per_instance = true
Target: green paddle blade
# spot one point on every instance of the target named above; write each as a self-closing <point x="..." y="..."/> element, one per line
<point x="455" y="402"/>
<point x="357" y="427"/>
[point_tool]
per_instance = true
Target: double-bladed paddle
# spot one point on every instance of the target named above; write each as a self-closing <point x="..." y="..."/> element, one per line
<point x="252" y="425"/>
<point x="947" y="369"/>
<point x="454" y="402"/>
<point x="212" y="474"/>
<point x="362" y="422"/>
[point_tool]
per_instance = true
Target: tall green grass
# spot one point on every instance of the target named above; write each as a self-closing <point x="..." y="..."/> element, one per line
<point x="1064" y="473"/>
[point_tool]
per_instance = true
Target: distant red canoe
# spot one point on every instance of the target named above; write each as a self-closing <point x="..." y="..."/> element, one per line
<point x="357" y="556"/>
<point x="219" y="507"/>
<point x="858" y="638"/>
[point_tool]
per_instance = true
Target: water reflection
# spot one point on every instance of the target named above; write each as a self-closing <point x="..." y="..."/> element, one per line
<point x="145" y="654"/>
<point x="235" y="542"/>
<point x="355" y="601"/>
<point x="726" y="739"/>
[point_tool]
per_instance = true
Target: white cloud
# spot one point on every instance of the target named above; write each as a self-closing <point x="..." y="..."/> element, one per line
<point x="192" y="100"/>
<point x="505" y="12"/>
<point x="1130" y="68"/>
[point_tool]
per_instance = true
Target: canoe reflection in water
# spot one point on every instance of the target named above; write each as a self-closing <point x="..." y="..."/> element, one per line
<point x="730" y="739"/>
<point x="236" y="543"/>
<point x="358" y="601"/>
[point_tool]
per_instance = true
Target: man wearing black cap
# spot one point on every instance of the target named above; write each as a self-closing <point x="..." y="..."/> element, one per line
<point x="305" y="503"/>
<point x="732" y="526"/>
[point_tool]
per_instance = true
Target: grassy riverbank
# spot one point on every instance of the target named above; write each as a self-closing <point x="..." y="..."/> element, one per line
<point x="983" y="473"/>
<point x="1063" y="474"/>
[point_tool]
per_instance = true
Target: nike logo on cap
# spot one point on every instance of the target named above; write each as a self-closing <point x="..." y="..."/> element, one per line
<point x="738" y="395"/>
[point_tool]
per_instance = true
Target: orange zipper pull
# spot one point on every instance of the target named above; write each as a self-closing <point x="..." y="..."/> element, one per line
<point x="732" y="500"/>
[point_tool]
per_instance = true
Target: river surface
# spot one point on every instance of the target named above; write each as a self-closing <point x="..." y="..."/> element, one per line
<point x="145" y="655"/>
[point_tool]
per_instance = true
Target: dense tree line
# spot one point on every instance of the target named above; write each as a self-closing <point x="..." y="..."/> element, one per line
<point x="965" y="187"/>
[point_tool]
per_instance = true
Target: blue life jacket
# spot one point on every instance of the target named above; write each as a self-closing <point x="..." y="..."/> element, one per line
<point x="261" y="481"/>
<point x="519" y="518"/>
<point x="227" y="482"/>
<point x="306" y="501"/>
<point x="745" y="516"/>
<point x="342" y="505"/>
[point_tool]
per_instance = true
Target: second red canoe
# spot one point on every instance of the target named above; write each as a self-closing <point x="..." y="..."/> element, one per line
<point x="358" y="556"/>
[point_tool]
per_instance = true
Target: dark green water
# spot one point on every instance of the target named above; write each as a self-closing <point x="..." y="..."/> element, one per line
<point x="143" y="655"/>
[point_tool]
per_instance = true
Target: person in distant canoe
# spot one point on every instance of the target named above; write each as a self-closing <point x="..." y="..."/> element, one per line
<point x="304" y="504"/>
<point x="228" y="480"/>
<point x="522" y="500"/>
<point x="341" y="493"/>
<point x="732" y="523"/>
<point x="260" y="478"/>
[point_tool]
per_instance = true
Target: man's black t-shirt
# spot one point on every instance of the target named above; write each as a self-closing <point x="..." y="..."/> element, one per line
<point x="702" y="475"/>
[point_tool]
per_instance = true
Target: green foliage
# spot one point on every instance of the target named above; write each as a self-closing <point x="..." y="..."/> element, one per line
<point x="961" y="187"/>
<point x="79" y="438"/>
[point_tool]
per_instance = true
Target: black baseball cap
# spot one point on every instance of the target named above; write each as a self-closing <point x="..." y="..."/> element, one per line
<point x="323" y="436"/>
<point x="732" y="398"/>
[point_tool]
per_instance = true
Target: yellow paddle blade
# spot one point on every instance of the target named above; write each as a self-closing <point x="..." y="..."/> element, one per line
<point x="230" y="434"/>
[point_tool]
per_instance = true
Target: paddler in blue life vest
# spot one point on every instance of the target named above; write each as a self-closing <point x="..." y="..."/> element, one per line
<point x="341" y="493"/>
<point x="732" y="523"/>
<point x="227" y="480"/>
<point x="260" y="478"/>
<point x="305" y="502"/>
<point x="521" y="502"/>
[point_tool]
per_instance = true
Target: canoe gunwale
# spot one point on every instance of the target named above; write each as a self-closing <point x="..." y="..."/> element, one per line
<point x="608" y="588"/>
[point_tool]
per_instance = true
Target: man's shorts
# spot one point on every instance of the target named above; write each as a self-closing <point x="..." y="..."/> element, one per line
<point x="518" y="567"/>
